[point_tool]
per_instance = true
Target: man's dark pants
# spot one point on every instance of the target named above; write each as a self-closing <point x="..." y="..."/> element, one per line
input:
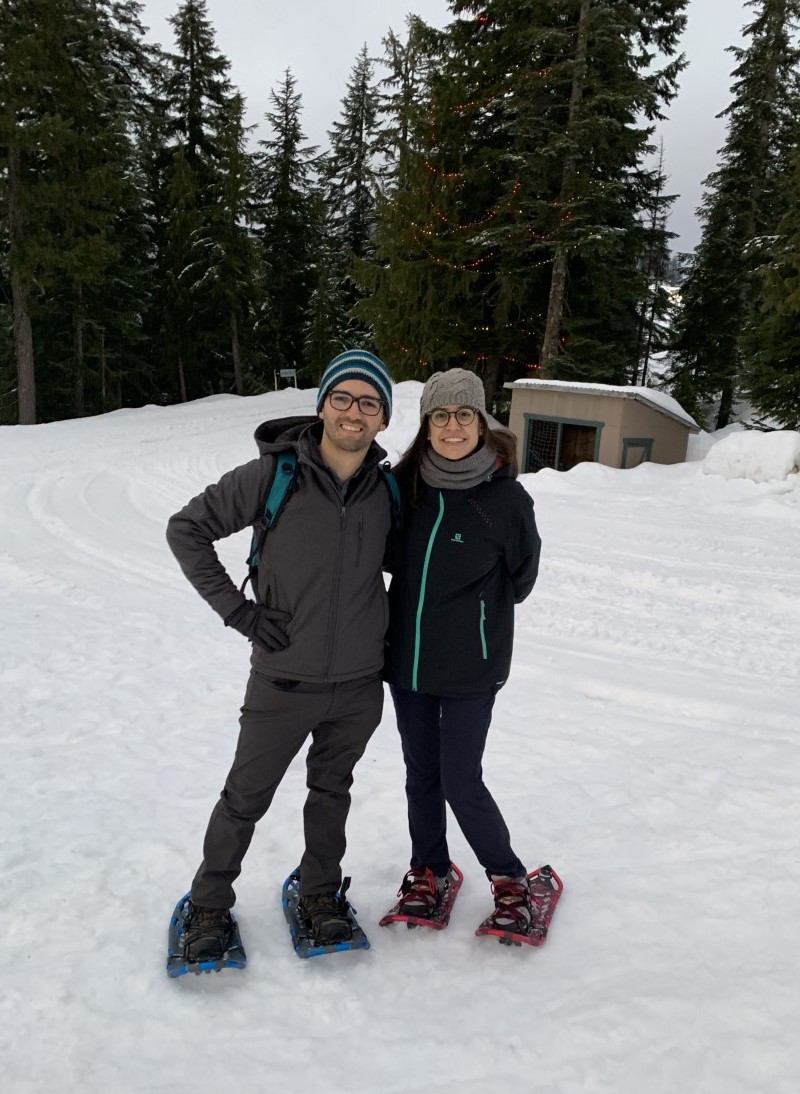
<point x="277" y="718"/>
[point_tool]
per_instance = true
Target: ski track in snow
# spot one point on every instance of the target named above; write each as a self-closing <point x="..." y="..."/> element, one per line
<point x="646" y="745"/>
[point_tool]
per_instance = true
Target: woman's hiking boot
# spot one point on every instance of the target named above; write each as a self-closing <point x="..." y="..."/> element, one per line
<point x="513" y="911"/>
<point x="420" y="892"/>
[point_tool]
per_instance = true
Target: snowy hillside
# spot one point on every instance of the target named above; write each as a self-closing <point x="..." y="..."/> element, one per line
<point x="646" y="746"/>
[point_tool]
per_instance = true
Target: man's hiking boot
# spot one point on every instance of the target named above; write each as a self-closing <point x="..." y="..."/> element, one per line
<point x="208" y="933"/>
<point x="420" y="892"/>
<point x="325" y="916"/>
<point x="512" y="904"/>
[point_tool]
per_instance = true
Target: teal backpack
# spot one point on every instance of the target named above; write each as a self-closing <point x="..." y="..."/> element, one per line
<point x="283" y="485"/>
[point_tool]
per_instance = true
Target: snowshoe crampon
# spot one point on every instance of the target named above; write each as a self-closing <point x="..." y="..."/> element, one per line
<point x="305" y="945"/>
<point x="546" y="889"/>
<point x="177" y="963"/>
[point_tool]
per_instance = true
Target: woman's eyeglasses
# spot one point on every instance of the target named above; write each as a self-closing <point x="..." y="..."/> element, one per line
<point x="367" y="404"/>
<point x="440" y="417"/>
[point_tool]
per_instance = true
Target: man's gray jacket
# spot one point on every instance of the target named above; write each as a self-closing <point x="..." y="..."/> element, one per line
<point x="321" y="562"/>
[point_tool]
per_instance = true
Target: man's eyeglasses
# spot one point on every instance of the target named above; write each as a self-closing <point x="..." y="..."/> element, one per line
<point x="440" y="417"/>
<point x="367" y="404"/>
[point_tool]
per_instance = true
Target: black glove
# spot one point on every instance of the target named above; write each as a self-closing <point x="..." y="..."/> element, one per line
<point x="260" y="625"/>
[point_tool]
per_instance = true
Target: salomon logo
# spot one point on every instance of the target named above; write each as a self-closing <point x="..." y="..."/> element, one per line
<point x="457" y="538"/>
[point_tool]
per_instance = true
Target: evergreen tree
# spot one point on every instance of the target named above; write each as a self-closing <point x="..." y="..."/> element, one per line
<point x="205" y="262"/>
<point x="157" y="152"/>
<point x="227" y="248"/>
<point x="771" y="345"/>
<point x="412" y="296"/>
<point x="22" y="60"/>
<point x="351" y="185"/>
<point x="286" y="207"/>
<point x="68" y="154"/>
<point x="583" y="132"/>
<point x="197" y="86"/>
<point x="327" y="330"/>
<point x="528" y="161"/>
<point x="739" y="211"/>
<point x="350" y="165"/>
<point x="116" y="354"/>
<point x="655" y="308"/>
<point x="181" y="310"/>
<point x="94" y="217"/>
<point x="403" y="92"/>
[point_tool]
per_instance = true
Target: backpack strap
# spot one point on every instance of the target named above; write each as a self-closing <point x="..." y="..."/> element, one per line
<point x="394" y="492"/>
<point x="283" y="479"/>
<point x="284" y="476"/>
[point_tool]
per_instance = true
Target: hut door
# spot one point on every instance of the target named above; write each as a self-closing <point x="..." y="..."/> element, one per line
<point x="553" y="442"/>
<point x="577" y="445"/>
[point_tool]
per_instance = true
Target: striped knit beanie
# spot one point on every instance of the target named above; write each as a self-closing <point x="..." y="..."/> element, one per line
<point x="358" y="364"/>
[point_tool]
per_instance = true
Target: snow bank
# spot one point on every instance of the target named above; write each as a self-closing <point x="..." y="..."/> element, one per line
<point x="700" y="444"/>
<point x="760" y="457"/>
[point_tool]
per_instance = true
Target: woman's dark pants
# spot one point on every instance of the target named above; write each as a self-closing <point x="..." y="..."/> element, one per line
<point x="443" y="742"/>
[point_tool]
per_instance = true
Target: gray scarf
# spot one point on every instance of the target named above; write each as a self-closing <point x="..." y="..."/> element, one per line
<point x="444" y="474"/>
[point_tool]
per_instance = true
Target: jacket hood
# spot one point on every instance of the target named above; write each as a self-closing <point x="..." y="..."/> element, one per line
<point x="281" y="433"/>
<point x="503" y="470"/>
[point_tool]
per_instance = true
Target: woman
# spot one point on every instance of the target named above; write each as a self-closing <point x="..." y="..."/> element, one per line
<point x="467" y="553"/>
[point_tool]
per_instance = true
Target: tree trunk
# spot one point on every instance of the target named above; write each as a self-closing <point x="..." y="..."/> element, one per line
<point x="647" y="319"/>
<point x="651" y="326"/>
<point x="491" y="380"/>
<point x="237" y="363"/>
<point x="78" y="351"/>
<point x="555" y="312"/>
<point x="182" y="380"/>
<point x="725" y="403"/>
<point x="23" y="351"/>
<point x="103" y="380"/>
<point x="551" y="343"/>
<point x="20" y="291"/>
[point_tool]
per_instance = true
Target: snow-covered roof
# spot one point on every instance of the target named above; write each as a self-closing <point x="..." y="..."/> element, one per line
<point x="658" y="400"/>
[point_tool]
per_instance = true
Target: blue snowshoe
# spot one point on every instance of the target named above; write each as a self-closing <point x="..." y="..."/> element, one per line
<point x="321" y="925"/>
<point x="202" y="947"/>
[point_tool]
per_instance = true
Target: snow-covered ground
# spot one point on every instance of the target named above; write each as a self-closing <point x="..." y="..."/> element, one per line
<point x="646" y="746"/>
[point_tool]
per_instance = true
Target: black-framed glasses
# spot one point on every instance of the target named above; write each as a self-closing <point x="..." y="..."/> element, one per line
<point x="465" y="415"/>
<point x="367" y="404"/>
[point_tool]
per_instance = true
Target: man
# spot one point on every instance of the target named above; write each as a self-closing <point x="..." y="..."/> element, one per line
<point x="317" y="630"/>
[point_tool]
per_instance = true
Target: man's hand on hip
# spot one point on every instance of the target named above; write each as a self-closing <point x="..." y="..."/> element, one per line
<point x="261" y="625"/>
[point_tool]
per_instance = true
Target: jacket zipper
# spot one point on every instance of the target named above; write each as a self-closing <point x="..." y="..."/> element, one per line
<point x="334" y="607"/>
<point x="422" y="585"/>
<point x="483" y="630"/>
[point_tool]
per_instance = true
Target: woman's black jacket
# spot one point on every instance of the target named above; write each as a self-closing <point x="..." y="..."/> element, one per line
<point x="462" y="560"/>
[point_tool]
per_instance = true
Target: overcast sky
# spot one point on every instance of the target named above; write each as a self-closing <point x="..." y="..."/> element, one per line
<point x="319" y="40"/>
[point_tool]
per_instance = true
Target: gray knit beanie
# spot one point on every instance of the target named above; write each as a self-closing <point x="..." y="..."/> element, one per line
<point x="456" y="387"/>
